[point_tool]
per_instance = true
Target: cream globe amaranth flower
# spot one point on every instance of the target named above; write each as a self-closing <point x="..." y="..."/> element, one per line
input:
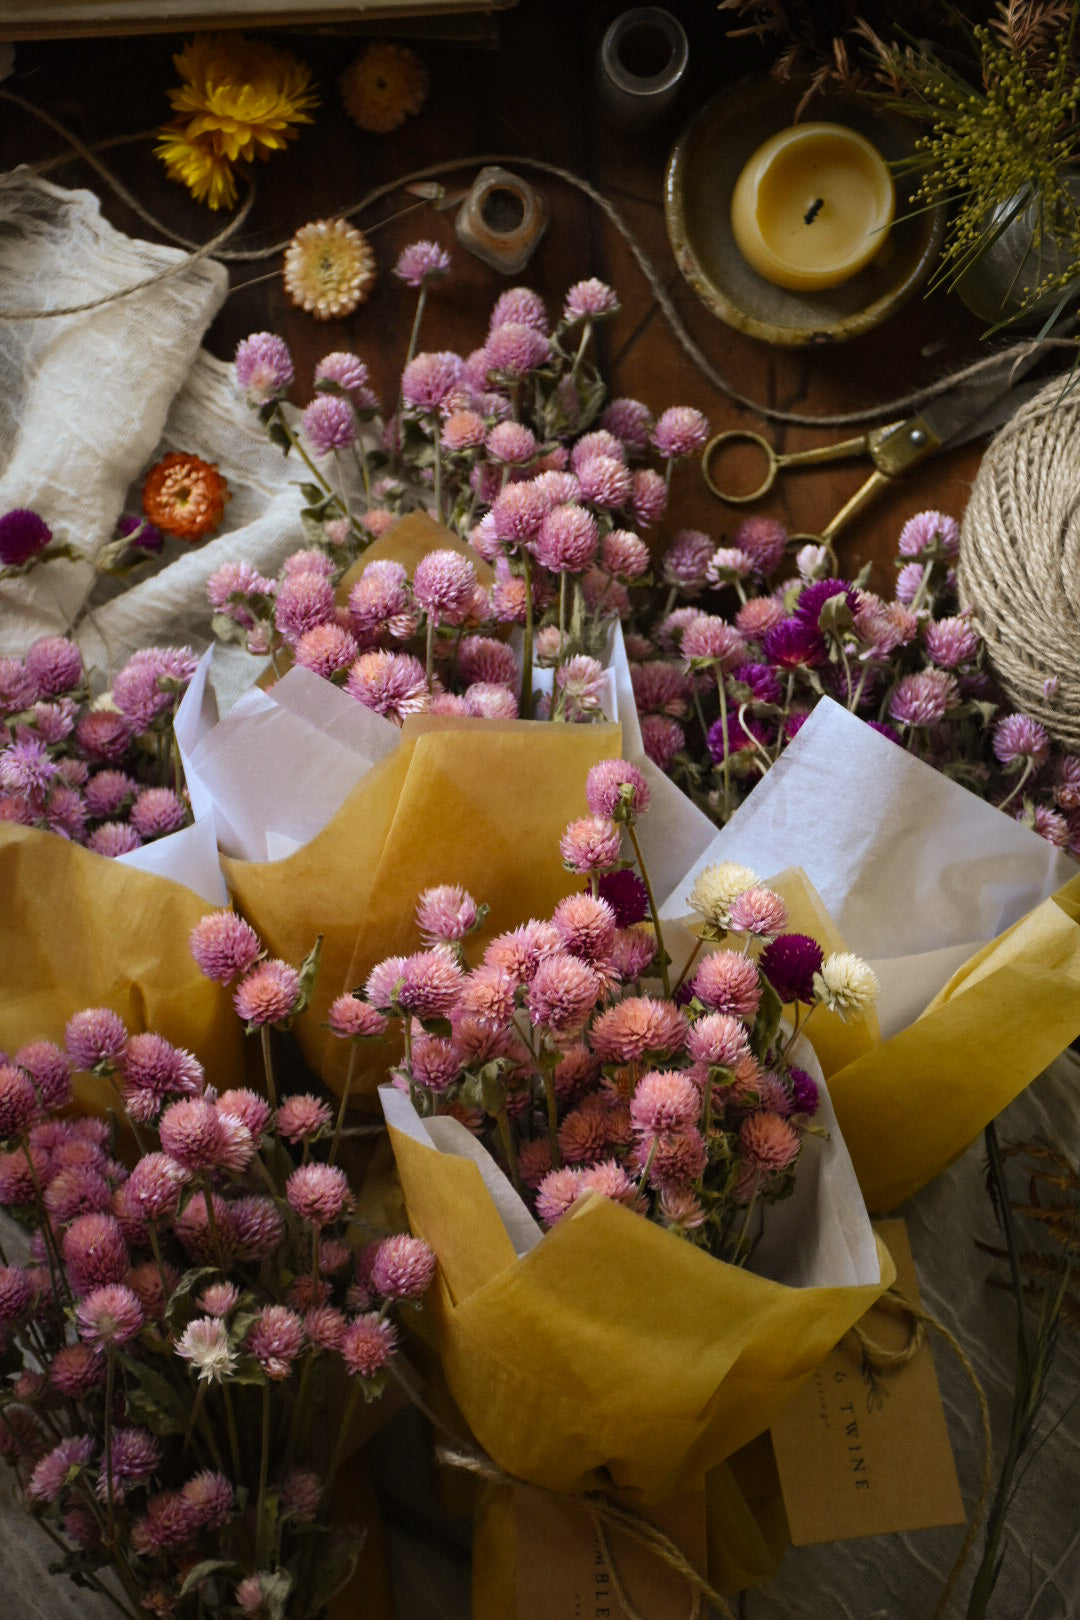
<point x="716" y="887"/>
<point x="846" y="985"/>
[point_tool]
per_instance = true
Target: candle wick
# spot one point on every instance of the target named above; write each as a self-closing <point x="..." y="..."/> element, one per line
<point x="814" y="209"/>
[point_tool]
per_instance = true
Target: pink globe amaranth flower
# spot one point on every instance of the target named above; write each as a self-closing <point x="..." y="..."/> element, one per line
<point x="17" y="687"/>
<point x="22" y="535"/>
<point x="710" y="637"/>
<point x="268" y="994"/>
<point x="446" y="912"/>
<point x="512" y="443"/>
<point x="26" y="768"/>
<point x="301" y="1490"/>
<point x="758" y="911"/>
<point x="719" y="1040"/>
<point x="276" y="1337"/>
<point x="367" y="1345"/>
<point x="567" y="540"/>
<point x="350" y="1017"/>
<point x="664" y="1101"/>
<point x="534" y="1161"/>
<point x="192" y="1134"/>
<point x="629" y="421"/>
<point x="76" y="1370"/>
<point x="109" y="1315"/>
<point x="591" y="844"/>
<point x="522" y="306"/>
<point x="302" y="1117"/>
<point x="614" y="786"/>
<point x="349" y="372"/>
<point x="789" y="963"/>
<point x="679" y="431"/>
<point x="156" y="811"/>
<point x="258" y="1225"/>
<point x="209" y="1497"/>
<point x="146" y="686"/>
<point x="107" y="792"/>
<point x="637" y="1027"/>
<point x="75" y="1191"/>
<point x="17" y="810"/>
<point x="54" y="721"/>
<point x="94" y="1037"/>
<point x="152" y="1063"/>
<point x="263" y="367"/>
<point x="402" y="1267"/>
<point x="686" y="561"/>
<point x="563" y="992"/>
<point x="675" y="1158"/>
<point x="444" y="583"/>
<point x="19" y="1104"/>
<point x="50" y="1071"/>
<point x="393" y="684"/>
<point x="421" y="262"/>
<point x="929" y="533"/>
<point x="557" y="1193"/>
<point x="224" y="946"/>
<point x="50" y="1474"/>
<point x="319" y="1193"/>
<point x="768" y="1142"/>
<point x="65" y="814"/>
<point x="648" y="496"/>
<point x="589" y="300"/>
<point x="909" y="582"/>
<point x="662" y="738"/>
<point x="754" y="619"/>
<point x="632" y="952"/>
<point x="195" y="1235"/>
<point x="104" y="734"/>
<point x="327" y="650"/>
<point x="17" y="1177"/>
<point x="610" y="1180"/>
<point x="234" y="588"/>
<point x="763" y="539"/>
<point x="380" y="593"/>
<point x="728" y="564"/>
<point x="1017" y="738"/>
<point x="1049" y="824"/>
<point x="329" y="423"/>
<point x="581" y="682"/>
<point x="435" y="1062"/>
<point x="727" y="982"/>
<point x="583" y="1134"/>
<point x="463" y="429"/>
<point x="16" y="1294"/>
<point x="604" y="481"/>
<point x="167" y="1522"/>
<point x="483" y="658"/>
<point x="324" y="1326"/>
<point x="923" y="698"/>
<point x="521" y="950"/>
<point x="624" y="554"/>
<point x="94" y="1252"/>
<point x="303" y="601"/>
<point x="951" y="642"/>
<point x="513" y="349"/>
<point x="431" y="982"/>
<point x="586" y="926"/>
<point x="135" y="1456"/>
<point x="55" y="665"/>
<point x="489" y="995"/>
<point x="428" y="381"/>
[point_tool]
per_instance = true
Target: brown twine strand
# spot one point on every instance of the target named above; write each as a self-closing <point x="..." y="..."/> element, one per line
<point x="999" y="359"/>
<point x="884" y="1359"/>
<point x="1019" y="566"/>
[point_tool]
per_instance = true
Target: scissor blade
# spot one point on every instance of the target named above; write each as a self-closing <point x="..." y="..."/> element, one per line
<point x="979" y="407"/>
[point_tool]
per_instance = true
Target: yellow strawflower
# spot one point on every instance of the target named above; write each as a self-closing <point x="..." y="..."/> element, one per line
<point x="195" y="164"/>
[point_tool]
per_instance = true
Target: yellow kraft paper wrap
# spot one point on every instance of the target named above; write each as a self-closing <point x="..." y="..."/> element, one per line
<point x="81" y="930"/>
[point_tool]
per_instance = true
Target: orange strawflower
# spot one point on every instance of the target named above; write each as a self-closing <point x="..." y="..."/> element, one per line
<point x="185" y="496"/>
<point x="383" y="86"/>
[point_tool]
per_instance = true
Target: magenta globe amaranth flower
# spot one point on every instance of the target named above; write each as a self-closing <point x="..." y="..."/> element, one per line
<point x="789" y="963"/>
<point x="22" y="535"/>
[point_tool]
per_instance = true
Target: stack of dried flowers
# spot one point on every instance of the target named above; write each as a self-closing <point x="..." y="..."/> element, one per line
<point x="720" y="695"/>
<point x="513" y="449"/>
<point x="180" y="1326"/>
<point x="106" y="773"/>
<point x="686" y="1105"/>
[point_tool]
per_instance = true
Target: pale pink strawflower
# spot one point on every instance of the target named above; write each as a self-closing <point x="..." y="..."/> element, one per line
<point x="421" y="262"/>
<point x="268" y="994"/>
<point x="768" y="1142"/>
<point x="429" y="380"/>
<point x="951" y="642"/>
<point x="758" y="911"/>
<point x="258" y="1225"/>
<point x="319" y="1193"/>
<point x="591" y="844"/>
<point x="94" y="1252"/>
<point x="490" y="700"/>
<point x="614" y="786"/>
<point x="923" y="698"/>
<point x="513" y="349"/>
<point x="629" y="421"/>
<point x="604" y="481"/>
<point x="563" y="992"/>
<point x="276" y="1338"/>
<point x="402" y="1267"/>
<point x="50" y="1474"/>
<point x="589" y="300"/>
<point x="109" y="1315"/>
<point x="94" y="1036"/>
<point x="664" y="1101"/>
<point x="1018" y="738"/>
<point x="557" y="1193"/>
<point x="446" y="913"/>
<point x="263" y="366"/>
<point x="728" y="982"/>
<point x="586" y="926"/>
<point x="637" y="1027"/>
<point x="511" y="442"/>
<point x="352" y="1018"/>
<point x="520" y="305"/>
<point x="567" y="540"/>
<point x="393" y="684"/>
<point x="367" y="1345"/>
<point x="156" y="811"/>
<point x="713" y="638"/>
<point x="326" y="649"/>
<point x="679" y="431"/>
<point x="303" y="601"/>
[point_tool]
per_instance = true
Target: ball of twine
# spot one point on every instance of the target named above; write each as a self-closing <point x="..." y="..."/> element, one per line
<point x="1019" y="566"/>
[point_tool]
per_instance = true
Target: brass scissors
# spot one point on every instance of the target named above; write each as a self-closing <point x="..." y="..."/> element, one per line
<point x="964" y="413"/>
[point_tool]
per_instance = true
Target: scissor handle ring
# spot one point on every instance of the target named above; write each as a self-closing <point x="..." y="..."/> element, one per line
<point x="740" y="436"/>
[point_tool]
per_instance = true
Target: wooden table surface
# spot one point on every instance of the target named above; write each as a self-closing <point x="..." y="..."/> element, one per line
<point x="521" y="88"/>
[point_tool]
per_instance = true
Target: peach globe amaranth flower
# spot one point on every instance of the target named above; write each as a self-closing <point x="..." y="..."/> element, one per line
<point x="591" y="844"/>
<point x="328" y="269"/>
<point x="383" y="86"/>
<point x="268" y="994"/>
<point x="185" y="496"/>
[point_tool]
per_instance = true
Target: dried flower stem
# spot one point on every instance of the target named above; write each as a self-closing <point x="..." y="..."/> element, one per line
<point x="110" y="1504"/>
<point x="350" y="1073"/>
<point x="262" y="1537"/>
<point x="661" y="954"/>
<point x="268" y="1066"/>
<point x="414" y="335"/>
<point x="527" y="652"/>
<point x="553" y="1118"/>
<point x="52" y="1249"/>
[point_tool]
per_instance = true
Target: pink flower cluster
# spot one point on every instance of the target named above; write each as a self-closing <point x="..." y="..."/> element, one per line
<point x="78" y="768"/>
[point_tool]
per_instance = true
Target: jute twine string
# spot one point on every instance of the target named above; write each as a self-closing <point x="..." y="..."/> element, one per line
<point x="995" y="361"/>
<point x="606" y="1512"/>
<point x="1019" y="567"/>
